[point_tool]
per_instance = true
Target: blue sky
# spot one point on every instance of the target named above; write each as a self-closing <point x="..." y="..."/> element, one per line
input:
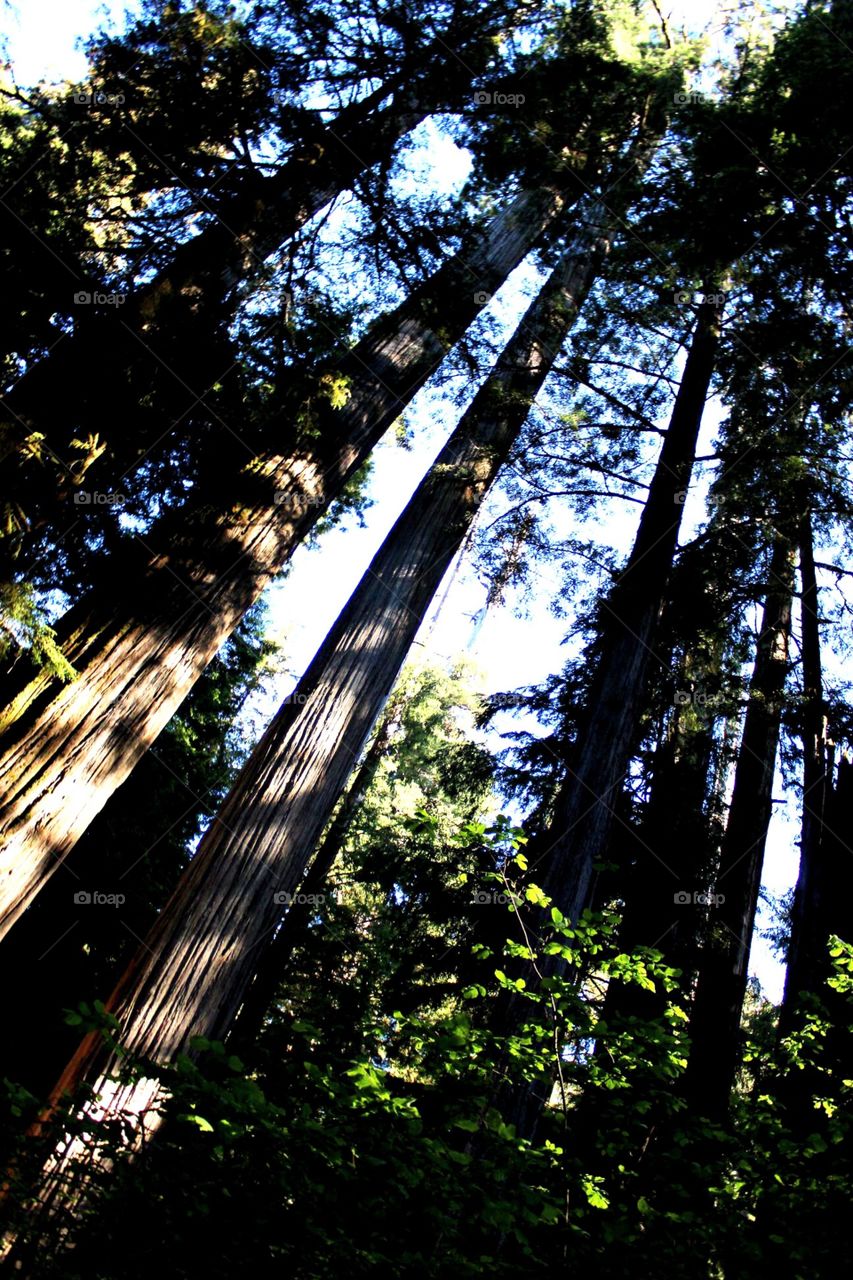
<point x="515" y="645"/>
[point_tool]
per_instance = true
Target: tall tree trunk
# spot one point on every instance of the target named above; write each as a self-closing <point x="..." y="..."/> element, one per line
<point x="721" y="987"/>
<point x="606" y="737"/>
<point x="675" y="855"/>
<point x="294" y="927"/>
<point x="808" y="965"/>
<point x="672" y="867"/>
<point x="167" y="323"/>
<point x="562" y="858"/>
<point x="142" y="639"/>
<point x="192" y="972"/>
<point x="824" y="891"/>
<point x="194" y="968"/>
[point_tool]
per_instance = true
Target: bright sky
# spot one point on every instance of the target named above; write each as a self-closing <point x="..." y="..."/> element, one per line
<point x="40" y="38"/>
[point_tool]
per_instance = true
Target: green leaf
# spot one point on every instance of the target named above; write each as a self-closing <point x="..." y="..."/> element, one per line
<point x="199" y="1122"/>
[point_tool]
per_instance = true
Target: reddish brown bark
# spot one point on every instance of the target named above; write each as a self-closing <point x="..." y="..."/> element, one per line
<point x="141" y="639"/>
<point x="167" y="326"/>
<point x="193" y="970"/>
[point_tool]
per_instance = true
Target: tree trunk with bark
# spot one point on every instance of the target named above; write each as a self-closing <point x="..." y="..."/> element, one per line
<point x="295" y="925"/>
<point x="808" y="961"/>
<point x="141" y="640"/>
<point x="668" y="881"/>
<point x="562" y="859"/>
<point x="193" y="970"/>
<point x="721" y="986"/>
<point x="169" y="325"/>
<point x="602" y="752"/>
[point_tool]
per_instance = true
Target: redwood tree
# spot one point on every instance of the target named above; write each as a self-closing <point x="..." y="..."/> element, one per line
<point x="171" y="331"/>
<point x="194" y="968"/>
<point x="606" y="737"/>
<point x="142" y="638"/>
<point x="715" y="1017"/>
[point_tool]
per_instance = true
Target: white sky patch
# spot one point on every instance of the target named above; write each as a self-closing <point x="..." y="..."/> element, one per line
<point x="43" y="36"/>
<point x="437" y="153"/>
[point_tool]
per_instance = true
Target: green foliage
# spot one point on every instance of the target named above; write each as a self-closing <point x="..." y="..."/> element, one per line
<point x="23" y="628"/>
<point x="401" y="1158"/>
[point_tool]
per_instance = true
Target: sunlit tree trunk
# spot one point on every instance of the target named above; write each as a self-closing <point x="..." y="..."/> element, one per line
<point x="294" y="927"/>
<point x="192" y="972"/>
<point x="144" y="636"/>
<point x="169" y="323"/>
